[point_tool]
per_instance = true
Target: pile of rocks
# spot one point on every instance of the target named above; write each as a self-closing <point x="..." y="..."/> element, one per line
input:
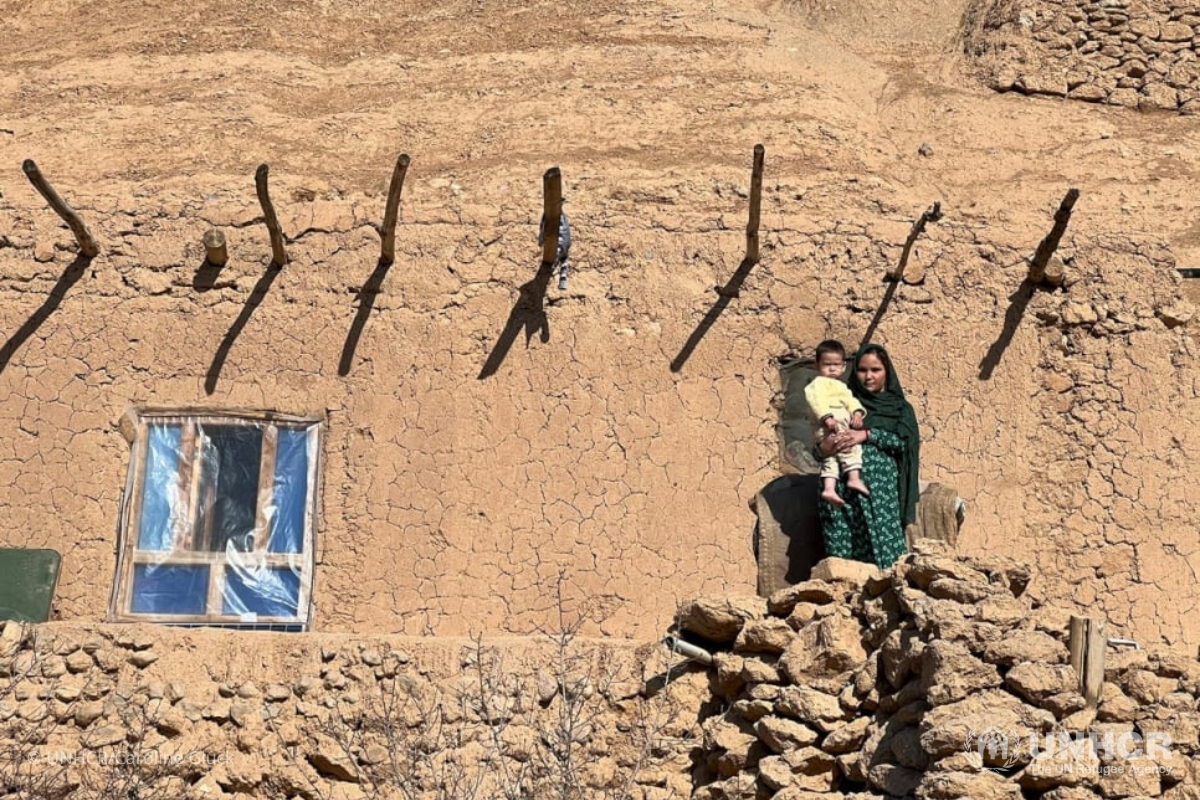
<point x="1136" y="54"/>
<point x="941" y="679"/>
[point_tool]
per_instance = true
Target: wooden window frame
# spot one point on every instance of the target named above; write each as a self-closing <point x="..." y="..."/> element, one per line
<point x="185" y="549"/>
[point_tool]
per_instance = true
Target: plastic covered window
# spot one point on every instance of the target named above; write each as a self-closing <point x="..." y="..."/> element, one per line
<point x="217" y="524"/>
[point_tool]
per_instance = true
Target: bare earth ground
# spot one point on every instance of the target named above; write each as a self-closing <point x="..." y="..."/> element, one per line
<point x="139" y="96"/>
<point x="651" y="110"/>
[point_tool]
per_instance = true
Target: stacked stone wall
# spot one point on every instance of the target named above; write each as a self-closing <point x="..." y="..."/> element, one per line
<point x="1135" y="53"/>
<point x="932" y="681"/>
<point x="103" y="712"/>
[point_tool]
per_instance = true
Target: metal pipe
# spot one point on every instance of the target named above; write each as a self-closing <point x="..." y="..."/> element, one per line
<point x="688" y="650"/>
<point x="1124" y="643"/>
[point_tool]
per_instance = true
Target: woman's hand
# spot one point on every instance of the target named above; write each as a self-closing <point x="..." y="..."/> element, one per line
<point x="841" y="442"/>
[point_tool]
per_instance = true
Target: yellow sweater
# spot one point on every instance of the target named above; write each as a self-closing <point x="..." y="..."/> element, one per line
<point x="826" y="396"/>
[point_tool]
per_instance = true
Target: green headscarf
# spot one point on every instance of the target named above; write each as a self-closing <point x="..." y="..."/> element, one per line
<point x="888" y="410"/>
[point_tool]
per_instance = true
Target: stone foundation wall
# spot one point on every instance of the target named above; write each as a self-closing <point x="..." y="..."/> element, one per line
<point x="1135" y="53"/>
<point x="91" y="712"/>
<point x="930" y="682"/>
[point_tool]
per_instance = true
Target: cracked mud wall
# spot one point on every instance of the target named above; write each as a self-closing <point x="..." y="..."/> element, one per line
<point x="452" y="503"/>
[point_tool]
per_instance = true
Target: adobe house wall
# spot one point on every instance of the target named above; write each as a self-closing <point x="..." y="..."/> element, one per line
<point x="453" y="503"/>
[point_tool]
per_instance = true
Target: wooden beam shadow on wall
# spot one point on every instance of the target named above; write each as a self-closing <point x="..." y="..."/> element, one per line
<point x="366" y="302"/>
<point x="725" y="294"/>
<point x="896" y="274"/>
<point x="257" y="294"/>
<point x="1019" y="300"/>
<point x="69" y="278"/>
<point x="529" y="311"/>
<point x="387" y="255"/>
<point x="732" y="288"/>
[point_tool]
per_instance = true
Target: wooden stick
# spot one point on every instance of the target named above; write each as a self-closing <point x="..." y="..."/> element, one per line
<point x="931" y="214"/>
<point x="1037" y="264"/>
<point x="388" y="250"/>
<point x="1076" y="641"/>
<point x="87" y="244"/>
<point x="1093" y="662"/>
<point x="214" y="248"/>
<point x="755" y="205"/>
<point x="551" y="213"/>
<point x="278" y="254"/>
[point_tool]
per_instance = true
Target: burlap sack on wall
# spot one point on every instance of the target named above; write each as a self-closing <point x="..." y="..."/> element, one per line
<point x="787" y="538"/>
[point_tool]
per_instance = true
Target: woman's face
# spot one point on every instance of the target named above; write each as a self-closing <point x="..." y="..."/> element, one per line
<point x="872" y="374"/>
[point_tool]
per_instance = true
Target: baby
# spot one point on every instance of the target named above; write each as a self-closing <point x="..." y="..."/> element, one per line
<point x="834" y="409"/>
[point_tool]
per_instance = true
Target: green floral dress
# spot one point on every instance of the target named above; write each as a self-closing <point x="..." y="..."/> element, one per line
<point x="868" y="528"/>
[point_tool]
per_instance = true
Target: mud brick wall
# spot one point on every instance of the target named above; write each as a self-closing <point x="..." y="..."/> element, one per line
<point x="1134" y="53"/>
<point x="615" y="459"/>
<point x="866" y="685"/>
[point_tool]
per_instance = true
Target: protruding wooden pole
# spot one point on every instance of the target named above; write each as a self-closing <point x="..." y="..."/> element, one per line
<point x="387" y="252"/>
<point x="87" y="244"/>
<point x="1076" y="641"/>
<point x="755" y="205"/>
<point x="551" y="211"/>
<point x="931" y="214"/>
<point x="1093" y="662"/>
<point x="1088" y="643"/>
<point x="1037" y="264"/>
<point x="278" y="254"/>
<point x="214" y="248"/>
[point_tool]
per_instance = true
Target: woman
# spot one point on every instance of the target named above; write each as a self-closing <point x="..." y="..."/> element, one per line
<point x="871" y="528"/>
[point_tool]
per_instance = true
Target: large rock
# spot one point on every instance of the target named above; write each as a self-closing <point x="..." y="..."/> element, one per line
<point x="1061" y="760"/>
<point x="949" y="673"/>
<point x="855" y="573"/>
<point x="985" y="785"/>
<point x="719" y="619"/>
<point x="781" y="734"/>
<point x="900" y="656"/>
<point x="812" y="768"/>
<point x="809" y="706"/>
<point x="818" y="592"/>
<point x="775" y="773"/>
<point x="906" y="747"/>
<point x="894" y="780"/>
<point x="826" y="648"/>
<point x="1036" y="682"/>
<point x="846" y="737"/>
<point x="925" y="569"/>
<point x="1025" y="646"/>
<point x="955" y="727"/>
<point x="771" y="635"/>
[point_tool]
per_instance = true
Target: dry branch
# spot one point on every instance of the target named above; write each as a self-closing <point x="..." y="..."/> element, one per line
<point x="278" y="254"/>
<point x="87" y="244"/>
<point x="931" y="214"/>
<point x="755" y="205"/>
<point x="388" y="233"/>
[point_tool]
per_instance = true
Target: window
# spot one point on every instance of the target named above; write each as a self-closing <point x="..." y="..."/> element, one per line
<point x="217" y="523"/>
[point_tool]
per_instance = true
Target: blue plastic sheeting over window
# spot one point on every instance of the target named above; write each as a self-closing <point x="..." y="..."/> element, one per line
<point x="265" y="592"/>
<point x="169" y="589"/>
<point x="291" y="491"/>
<point x="161" y="487"/>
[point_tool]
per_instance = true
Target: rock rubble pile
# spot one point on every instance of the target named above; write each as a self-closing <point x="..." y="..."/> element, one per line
<point x="942" y="679"/>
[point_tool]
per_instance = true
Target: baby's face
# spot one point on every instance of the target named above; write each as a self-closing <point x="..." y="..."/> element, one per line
<point x="831" y="365"/>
